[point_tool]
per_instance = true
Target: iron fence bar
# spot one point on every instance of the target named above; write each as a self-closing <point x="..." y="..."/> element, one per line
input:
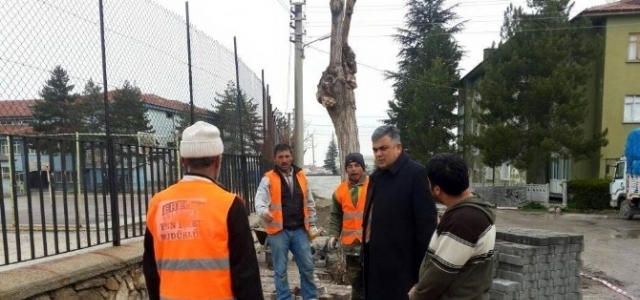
<point x="146" y="182"/>
<point x="65" y="204"/>
<point x="3" y="220"/>
<point x="123" y="185"/>
<point x="105" y="190"/>
<point x="54" y="209"/>
<point x="94" y="177"/>
<point x="131" y="191"/>
<point x="81" y="169"/>
<point x="164" y="167"/>
<point x="76" y="195"/>
<point x="27" y="188"/>
<point x="151" y="163"/>
<point x="14" y="196"/>
<point x="41" y="194"/>
<point x="138" y="179"/>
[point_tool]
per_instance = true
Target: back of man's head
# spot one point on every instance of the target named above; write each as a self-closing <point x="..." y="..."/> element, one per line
<point x="201" y="140"/>
<point x="449" y="172"/>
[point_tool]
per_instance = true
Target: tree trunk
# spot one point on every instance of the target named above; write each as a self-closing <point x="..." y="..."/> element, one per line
<point x="335" y="89"/>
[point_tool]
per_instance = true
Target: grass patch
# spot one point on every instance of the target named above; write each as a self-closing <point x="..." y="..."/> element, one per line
<point x="534" y="206"/>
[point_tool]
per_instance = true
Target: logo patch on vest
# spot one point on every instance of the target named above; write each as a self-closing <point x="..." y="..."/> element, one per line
<point x="179" y="219"/>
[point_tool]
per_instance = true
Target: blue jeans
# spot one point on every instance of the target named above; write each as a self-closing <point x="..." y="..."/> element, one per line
<point x="296" y="241"/>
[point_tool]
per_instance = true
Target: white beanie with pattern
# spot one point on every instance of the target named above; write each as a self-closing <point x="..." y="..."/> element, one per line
<point x="201" y="140"/>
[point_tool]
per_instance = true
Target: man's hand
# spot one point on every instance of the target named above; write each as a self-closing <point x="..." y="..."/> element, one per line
<point x="313" y="232"/>
<point x="267" y="217"/>
<point x="332" y="243"/>
<point x="412" y="293"/>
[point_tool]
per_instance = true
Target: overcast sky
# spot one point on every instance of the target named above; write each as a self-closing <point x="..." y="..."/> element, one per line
<point x="262" y="30"/>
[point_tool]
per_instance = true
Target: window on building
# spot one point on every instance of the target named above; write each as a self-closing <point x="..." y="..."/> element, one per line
<point x="5" y="173"/>
<point x="68" y="176"/>
<point x="505" y="171"/>
<point x="632" y="109"/>
<point x="634" y="47"/>
<point x="4" y="147"/>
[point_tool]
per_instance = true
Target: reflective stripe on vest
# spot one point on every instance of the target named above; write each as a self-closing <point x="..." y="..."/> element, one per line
<point x="188" y="222"/>
<point x="193" y="264"/>
<point x="352" y="216"/>
<point x="275" y="208"/>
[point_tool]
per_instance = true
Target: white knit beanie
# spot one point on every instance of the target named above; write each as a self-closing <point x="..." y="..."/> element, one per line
<point x="201" y="140"/>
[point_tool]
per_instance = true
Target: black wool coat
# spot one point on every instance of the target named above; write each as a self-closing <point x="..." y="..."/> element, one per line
<point x="403" y="220"/>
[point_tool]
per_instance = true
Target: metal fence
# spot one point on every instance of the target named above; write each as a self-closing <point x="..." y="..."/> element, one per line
<point x="516" y="195"/>
<point x="93" y="97"/>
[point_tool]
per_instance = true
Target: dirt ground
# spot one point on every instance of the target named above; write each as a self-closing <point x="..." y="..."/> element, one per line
<point x="612" y="245"/>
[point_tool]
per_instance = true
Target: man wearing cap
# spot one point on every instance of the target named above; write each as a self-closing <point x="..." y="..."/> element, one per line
<point x="346" y="220"/>
<point x="286" y="205"/>
<point x="198" y="244"/>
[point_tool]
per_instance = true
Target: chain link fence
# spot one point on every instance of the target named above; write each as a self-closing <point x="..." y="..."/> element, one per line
<point x="93" y="97"/>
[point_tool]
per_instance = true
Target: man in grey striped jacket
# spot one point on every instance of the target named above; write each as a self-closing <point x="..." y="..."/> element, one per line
<point x="458" y="263"/>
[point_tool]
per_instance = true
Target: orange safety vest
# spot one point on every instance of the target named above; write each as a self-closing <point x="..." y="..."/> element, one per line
<point x="188" y="222"/>
<point x="352" y="216"/>
<point x="275" y="208"/>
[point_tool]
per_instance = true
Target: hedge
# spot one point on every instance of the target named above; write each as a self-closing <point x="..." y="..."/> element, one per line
<point x="588" y="194"/>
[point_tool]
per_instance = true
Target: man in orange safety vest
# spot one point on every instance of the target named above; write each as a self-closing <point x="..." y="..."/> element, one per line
<point x="198" y="243"/>
<point x="349" y="201"/>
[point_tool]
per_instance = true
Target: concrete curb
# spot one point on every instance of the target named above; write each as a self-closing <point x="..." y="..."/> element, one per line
<point x="24" y="282"/>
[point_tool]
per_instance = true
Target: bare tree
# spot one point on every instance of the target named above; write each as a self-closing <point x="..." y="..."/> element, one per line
<point x="335" y="89"/>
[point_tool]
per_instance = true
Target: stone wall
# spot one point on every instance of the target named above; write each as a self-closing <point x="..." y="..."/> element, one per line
<point x="113" y="273"/>
<point x="124" y="284"/>
<point x="535" y="264"/>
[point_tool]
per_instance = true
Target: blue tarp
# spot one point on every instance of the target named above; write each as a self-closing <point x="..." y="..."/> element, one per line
<point x="632" y="152"/>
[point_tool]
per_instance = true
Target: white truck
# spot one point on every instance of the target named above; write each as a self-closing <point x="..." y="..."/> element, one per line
<point x="625" y="187"/>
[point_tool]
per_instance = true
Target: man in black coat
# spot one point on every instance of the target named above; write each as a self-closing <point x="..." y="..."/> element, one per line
<point x="399" y="219"/>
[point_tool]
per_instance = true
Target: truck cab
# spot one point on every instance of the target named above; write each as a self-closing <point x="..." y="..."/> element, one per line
<point x="624" y="190"/>
<point x="617" y="187"/>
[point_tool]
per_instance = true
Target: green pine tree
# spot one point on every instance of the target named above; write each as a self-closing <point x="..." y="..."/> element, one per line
<point x="56" y="113"/>
<point x="533" y="94"/>
<point x="128" y="114"/>
<point x="428" y="70"/>
<point x="90" y="107"/>
<point x="226" y="106"/>
<point x="330" y="158"/>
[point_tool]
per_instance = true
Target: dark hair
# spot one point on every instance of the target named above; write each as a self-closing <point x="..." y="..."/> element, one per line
<point x="281" y="147"/>
<point x="201" y="162"/>
<point x="449" y="172"/>
<point x="392" y="131"/>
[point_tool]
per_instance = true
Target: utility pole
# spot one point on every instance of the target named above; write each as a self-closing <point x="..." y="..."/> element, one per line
<point x="299" y="32"/>
<point x="313" y="148"/>
<point x="289" y="130"/>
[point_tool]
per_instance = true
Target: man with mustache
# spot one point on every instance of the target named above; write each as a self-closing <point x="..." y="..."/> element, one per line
<point x="286" y="205"/>
<point x="399" y="218"/>
<point x="346" y="220"/>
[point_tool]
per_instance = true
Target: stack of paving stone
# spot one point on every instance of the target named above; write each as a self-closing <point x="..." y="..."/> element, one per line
<point x="534" y="264"/>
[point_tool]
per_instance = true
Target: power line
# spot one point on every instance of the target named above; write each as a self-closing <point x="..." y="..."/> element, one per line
<point x="403" y="6"/>
<point x="369" y="116"/>
<point x="385" y="72"/>
<point x="498" y="30"/>
<point x="374" y="23"/>
<point x="284" y="6"/>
